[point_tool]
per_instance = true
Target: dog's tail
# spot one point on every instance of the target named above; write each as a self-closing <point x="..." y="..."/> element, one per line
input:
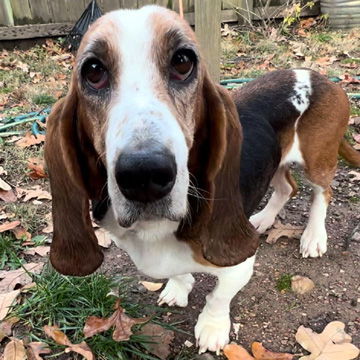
<point x="349" y="153"/>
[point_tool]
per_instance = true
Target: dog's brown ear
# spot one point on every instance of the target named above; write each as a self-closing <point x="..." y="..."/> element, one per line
<point x="76" y="175"/>
<point x="217" y="220"/>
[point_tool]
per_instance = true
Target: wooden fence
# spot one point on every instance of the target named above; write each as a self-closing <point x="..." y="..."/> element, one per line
<point x="55" y="17"/>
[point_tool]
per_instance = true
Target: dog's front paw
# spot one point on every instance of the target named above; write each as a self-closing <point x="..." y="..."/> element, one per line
<point x="212" y="332"/>
<point x="313" y="242"/>
<point x="262" y="221"/>
<point x="176" y="291"/>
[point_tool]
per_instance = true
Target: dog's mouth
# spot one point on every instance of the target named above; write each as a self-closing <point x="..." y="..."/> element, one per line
<point x="137" y="211"/>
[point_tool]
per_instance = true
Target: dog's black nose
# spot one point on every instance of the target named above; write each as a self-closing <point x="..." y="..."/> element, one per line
<point x="146" y="176"/>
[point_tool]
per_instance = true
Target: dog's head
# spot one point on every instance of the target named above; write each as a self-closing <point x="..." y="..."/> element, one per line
<point x="144" y="125"/>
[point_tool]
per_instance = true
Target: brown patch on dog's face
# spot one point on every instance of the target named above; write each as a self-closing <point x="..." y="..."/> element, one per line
<point x="175" y="37"/>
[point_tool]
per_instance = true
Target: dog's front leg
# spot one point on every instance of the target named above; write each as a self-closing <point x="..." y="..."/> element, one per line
<point x="213" y="326"/>
<point x="177" y="290"/>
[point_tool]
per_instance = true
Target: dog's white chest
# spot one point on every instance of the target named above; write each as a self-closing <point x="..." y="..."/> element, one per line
<point x="154" y="249"/>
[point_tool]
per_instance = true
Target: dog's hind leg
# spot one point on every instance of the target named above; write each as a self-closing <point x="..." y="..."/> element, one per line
<point x="284" y="188"/>
<point x="213" y="325"/>
<point x="177" y="290"/>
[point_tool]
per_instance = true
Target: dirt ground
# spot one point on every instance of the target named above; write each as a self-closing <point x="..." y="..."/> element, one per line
<point x="266" y="314"/>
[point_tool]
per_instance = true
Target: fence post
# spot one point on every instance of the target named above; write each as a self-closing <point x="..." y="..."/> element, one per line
<point x="208" y="32"/>
<point x="6" y="14"/>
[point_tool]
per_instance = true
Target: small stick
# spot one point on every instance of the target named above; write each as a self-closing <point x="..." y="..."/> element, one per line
<point x="181" y="9"/>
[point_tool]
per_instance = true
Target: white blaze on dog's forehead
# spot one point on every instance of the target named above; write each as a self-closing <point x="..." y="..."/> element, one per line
<point x="302" y="90"/>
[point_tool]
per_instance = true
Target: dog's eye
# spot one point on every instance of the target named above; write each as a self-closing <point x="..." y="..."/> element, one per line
<point x="182" y="64"/>
<point x="95" y="74"/>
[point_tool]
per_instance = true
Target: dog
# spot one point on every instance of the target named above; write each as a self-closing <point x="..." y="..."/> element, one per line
<point x="157" y="147"/>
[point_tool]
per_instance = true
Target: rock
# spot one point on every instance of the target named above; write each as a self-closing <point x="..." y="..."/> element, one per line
<point x="301" y="284"/>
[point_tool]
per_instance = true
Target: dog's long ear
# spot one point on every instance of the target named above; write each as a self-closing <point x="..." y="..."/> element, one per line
<point x="217" y="221"/>
<point x="76" y="175"/>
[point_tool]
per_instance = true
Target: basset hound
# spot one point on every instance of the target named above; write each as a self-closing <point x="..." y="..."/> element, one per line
<point x="156" y="146"/>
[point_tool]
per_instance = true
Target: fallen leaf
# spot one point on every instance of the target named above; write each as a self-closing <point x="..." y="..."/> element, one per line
<point x="356" y="137"/>
<point x="60" y="338"/>
<point x="40" y="250"/>
<point x="103" y="238"/>
<point x="22" y="66"/>
<point x="307" y="23"/>
<point x="237" y="352"/>
<point x="332" y="344"/>
<point x="21" y="276"/>
<point x="151" y="286"/>
<point x="325" y="61"/>
<point x="29" y="140"/>
<point x="4" y="185"/>
<point x="356" y="176"/>
<point x="261" y="353"/>
<point x="6" y="301"/>
<point x="8" y="196"/>
<point x="36" y="348"/>
<point x="21" y="234"/>
<point x="357" y="146"/>
<point x="6" y="327"/>
<point x="36" y="192"/>
<point x="36" y="166"/>
<point x="15" y="350"/>
<point x="9" y="225"/>
<point x="160" y="340"/>
<point x="301" y="284"/>
<point x="2" y="171"/>
<point x="283" y="230"/>
<point x="118" y="319"/>
<point x="348" y="79"/>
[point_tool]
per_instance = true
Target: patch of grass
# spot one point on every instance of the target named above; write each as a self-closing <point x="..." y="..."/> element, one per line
<point x="350" y="61"/>
<point x="32" y="217"/>
<point x="349" y="135"/>
<point x="43" y="99"/>
<point x="297" y="177"/>
<point x="284" y="282"/>
<point x="355" y="110"/>
<point x="9" y="249"/>
<point x="69" y="301"/>
<point x="354" y="199"/>
<point x="323" y="37"/>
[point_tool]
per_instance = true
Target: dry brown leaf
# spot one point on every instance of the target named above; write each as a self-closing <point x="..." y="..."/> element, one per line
<point x="40" y="250"/>
<point x="103" y="238"/>
<point x="21" y="234"/>
<point x="160" y="340"/>
<point x="357" y="146"/>
<point x="6" y="327"/>
<point x="82" y="349"/>
<point x="7" y="196"/>
<point x="283" y="230"/>
<point x="356" y="175"/>
<point x="15" y="350"/>
<point x="301" y="284"/>
<point x="29" y="140"/>
<point x="151" y="286"/>
<point x="237" y="352"/>
<point x="36" y="348"/>
<point x="332" y="344"/>
<point x="36" y="192"/>
<point x="348" y="79"/>
<point x="118" y="319"/>
<point x="4" y="185"/>
<point x="12" y="278"/>
<point x="6" y="301"/>
<point x="36" y="166"/>
<point x="307" y="23"/>
<point x="50" y="227"/>
<point x="325" y="61"/>
<point x="261" y="353"/>
<point x="60" y="338"/>
<point x="9" y="225"/>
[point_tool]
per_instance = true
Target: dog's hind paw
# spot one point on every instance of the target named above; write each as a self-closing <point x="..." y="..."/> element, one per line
<point x="177" y="290"/>
<point x="212" y="332"/>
